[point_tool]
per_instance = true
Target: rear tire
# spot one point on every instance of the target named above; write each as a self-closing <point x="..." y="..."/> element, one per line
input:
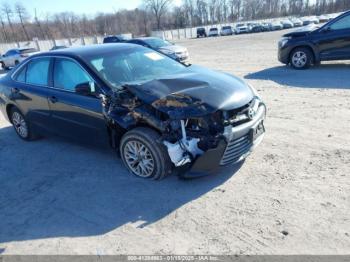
<point x="301" y="58"/>
<point x="21" y="125"/>
<point x="143" y="155"/>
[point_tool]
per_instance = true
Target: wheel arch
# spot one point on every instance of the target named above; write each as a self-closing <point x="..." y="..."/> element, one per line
<point x="8" y="111"/>
<point x="116" y="131"/>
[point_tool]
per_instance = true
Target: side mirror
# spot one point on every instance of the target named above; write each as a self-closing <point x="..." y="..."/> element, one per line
<point x="86" y="88"/>
<point x="326" y="29"/>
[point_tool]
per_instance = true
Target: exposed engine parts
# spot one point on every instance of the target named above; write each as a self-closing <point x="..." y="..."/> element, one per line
<point x="184" y="150"/>
<point x="185" y="139"/>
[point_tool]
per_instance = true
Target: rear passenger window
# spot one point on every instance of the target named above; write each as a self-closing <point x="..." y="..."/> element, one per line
<point x="38" y="71"/>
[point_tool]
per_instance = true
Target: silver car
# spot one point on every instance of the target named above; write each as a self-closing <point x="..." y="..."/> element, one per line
<point x="242" y="28"/>
<point x="226" y="30"/>
<point x="176" y="52"/>
<point x="14" y="56"/>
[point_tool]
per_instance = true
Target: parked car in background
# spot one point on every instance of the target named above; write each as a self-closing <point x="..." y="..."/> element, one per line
<point x="213" y="32"/>
<point x="176" y="52"/>
<point x="56" y="47"/>
<point x="297" y="22"/>
<point x="115" y="39"/>
<point x="15" y="56"/>
<point x="287" y="24"/>
<point x="276" y="25"/>
<point x="324" y="18"/>
<point x="242" y="29"/>
<point x="266" y="27"/>
<point x="307" y="21"/>
<point x="312" y="44"/>
<point x="157" y="113"/>
<point x="226" y="30"/>
<point x="256" y="28"/>
<point x="201" y="32"/>
<point x="315" y="20"/>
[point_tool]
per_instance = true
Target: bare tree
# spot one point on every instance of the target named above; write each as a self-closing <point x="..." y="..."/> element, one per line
<point x="6" y="9"/>
<point x="158" y="8"/>
<point x="3" y="28"/>
<point x="38" y="24"/>
<point x="22" y="16"/>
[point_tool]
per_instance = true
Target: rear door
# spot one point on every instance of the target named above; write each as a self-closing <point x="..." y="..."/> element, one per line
<point x="334" y="43"/>
<point x="31" y="91"/>
<point x="74" y="115"/>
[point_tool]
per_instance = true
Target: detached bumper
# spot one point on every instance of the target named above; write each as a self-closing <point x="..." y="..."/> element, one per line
<point x="239" y="143"/>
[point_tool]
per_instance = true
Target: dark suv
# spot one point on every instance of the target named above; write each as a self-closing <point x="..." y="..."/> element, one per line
<point x="311" y="45"/>
<point x="201" y="32"/>
<point x="111" y="39"/>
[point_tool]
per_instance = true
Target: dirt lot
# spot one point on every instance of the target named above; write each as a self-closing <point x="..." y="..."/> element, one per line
<point x="290" y="197"/>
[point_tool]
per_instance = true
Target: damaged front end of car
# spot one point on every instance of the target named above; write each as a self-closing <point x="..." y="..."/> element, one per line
<point x="199" y="137"/>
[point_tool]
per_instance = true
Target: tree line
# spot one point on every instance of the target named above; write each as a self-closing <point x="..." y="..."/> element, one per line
<point x="17" y="24"/>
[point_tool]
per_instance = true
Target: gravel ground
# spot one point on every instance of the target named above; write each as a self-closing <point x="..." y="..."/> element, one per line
<point x="291" y="196"/>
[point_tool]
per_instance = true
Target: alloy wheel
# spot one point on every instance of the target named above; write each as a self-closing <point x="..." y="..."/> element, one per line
<point x="139" y="158"/>
<point x="20" y="124"/>
<point x="299" y="59"/>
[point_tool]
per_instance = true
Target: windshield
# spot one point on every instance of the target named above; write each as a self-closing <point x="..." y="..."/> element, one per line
<point x="156" y="42"/>
<point x="133" y="65"/>
<point x="226" y="27"/>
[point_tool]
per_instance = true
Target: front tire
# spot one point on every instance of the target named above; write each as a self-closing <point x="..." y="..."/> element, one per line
<point x="21" y="125"/>
<point x="3" y="66"/>
<point x="143" y="155"/>
<point x="301" y="58"/>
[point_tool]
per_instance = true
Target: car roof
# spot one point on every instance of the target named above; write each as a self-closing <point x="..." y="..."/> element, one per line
<point x="84" y="51"/>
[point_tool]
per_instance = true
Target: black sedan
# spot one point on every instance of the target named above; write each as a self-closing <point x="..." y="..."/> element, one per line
<point x="312" y="44"/>
<point x="159" y="114"/>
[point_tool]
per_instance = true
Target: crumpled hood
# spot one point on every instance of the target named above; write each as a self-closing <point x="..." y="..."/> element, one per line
<point x="302" y="31"/>
<point x="195" y="92"/>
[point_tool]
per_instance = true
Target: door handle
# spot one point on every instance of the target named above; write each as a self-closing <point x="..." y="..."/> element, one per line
<point x="14" y="90"/>
<point x="53" y="99"/>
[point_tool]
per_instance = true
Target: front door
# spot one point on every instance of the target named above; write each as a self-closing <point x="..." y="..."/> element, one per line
<point x="74" y="115"/>
<point x="334" y="41"/>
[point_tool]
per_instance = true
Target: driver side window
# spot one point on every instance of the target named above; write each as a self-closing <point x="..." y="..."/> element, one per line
<point x="342" y="24"/>
<point x="68" y="74"/>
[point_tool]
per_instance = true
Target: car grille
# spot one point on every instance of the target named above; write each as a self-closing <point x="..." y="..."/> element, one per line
<point x="235" y="149"/>
<point x="239" y="116"/>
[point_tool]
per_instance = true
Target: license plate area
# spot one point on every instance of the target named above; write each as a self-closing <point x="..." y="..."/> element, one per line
<point x="257" y="131"/>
